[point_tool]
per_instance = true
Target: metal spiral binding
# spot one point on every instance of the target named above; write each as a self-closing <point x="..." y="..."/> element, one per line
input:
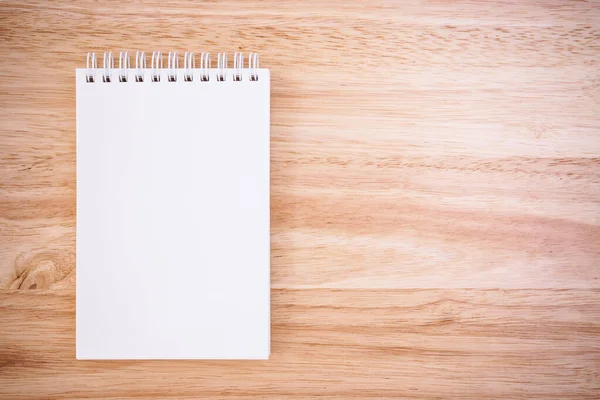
<point x="189" y="64"/>
<point x="205" y="65"/>
<point x="253" y="66"/>
<point x="172" y="65"/>
<point x="221" y="66"/>
<point x="108" y="65"/>
<point x="238" y="64"/>
<point x="90" y="67"/>
<point x="123" y="66"/>
<point x="156" y="65"/>
<point x="157" y="62"/>
<point x="140" y="65"/>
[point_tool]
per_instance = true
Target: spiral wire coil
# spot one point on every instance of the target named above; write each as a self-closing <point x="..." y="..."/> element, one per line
<point x="123" y="66"/>
<point x="140" y="66"/>
<point x="109" y="65"/>
<point x="189" y="67"/>
<point x="205" y="65"/>
<point x="156" y="64"/>
<point x="189" y="64"/>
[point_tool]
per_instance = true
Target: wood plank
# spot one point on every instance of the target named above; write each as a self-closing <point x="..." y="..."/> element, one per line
<point x="416" y="144"/>
<point x="423" y="145"/>
<point x="409" y="344"/>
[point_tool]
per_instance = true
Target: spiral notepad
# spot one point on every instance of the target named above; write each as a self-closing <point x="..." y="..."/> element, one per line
<point x="173" y="207"/>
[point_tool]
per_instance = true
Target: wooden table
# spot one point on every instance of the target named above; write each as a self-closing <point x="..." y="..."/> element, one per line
<point x="435" y="197"/>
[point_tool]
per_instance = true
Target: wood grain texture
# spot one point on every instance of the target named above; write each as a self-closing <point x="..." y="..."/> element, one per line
<point x="435" y="197"/>
<point x="381" y="344"/>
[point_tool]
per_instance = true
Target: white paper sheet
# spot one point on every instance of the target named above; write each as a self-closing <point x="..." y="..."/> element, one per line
<point x="173" y="218"/>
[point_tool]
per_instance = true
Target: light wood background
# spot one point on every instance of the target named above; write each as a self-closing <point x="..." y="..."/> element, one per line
<point x="435" y="197"/>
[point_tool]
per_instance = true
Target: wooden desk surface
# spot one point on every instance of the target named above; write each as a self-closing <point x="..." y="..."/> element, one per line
<point x="435" y="197"/>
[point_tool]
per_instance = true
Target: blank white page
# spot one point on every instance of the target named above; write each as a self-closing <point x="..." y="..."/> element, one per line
<point x="173" y="217"/>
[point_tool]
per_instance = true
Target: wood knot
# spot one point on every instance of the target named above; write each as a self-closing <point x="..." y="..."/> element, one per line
<point x="43" y="270"/>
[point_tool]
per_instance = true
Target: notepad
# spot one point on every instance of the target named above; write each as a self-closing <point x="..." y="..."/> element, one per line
<point x="173" y="236"/>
